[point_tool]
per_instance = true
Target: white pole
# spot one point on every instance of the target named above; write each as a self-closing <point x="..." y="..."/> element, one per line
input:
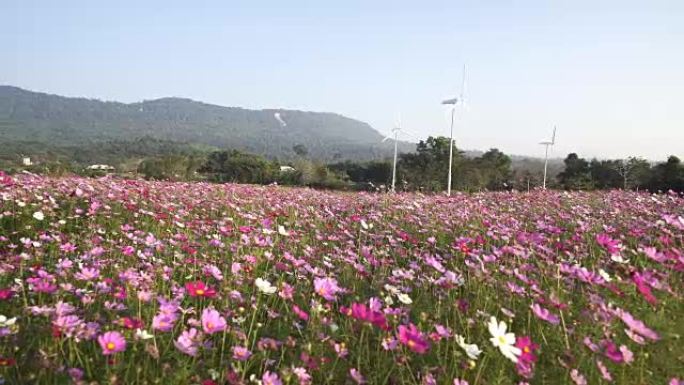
<point x="546" y="160"/>
<point x="451" y="150"/>
<point x="394" y="167"/>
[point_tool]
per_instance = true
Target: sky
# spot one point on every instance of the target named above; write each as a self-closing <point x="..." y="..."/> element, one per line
<point x="609" y="74"/>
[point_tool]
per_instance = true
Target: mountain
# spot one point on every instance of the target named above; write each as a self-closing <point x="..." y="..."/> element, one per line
<point x="32" y="119"/>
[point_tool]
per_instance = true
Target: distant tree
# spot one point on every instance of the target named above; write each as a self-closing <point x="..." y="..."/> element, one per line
<point x="239" y="167"/>
<point x="170" y="167"/>
<point x="496" y="168"/>
<point x="667" y="176"/>
<point x="427" y="168"/>
<point x="300" y="150"/>
<point x="633" y="171"/>
<point x="604" y="174"/>
<point x="576" y="175"/>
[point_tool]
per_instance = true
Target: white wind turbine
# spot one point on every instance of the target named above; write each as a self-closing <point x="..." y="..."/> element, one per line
<point x="546" y="145"/>
<point x="394" y="134"/>
<point x="453" y="102"/>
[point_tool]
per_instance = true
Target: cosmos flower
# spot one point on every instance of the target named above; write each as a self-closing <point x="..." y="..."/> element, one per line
<point x="264" y="286"/>
<point x="527" y="358"/>
<point x="188" y="342"/>
<point x="503" y="340"/>
<point x="326" y="288"/>
<point x="269" y="378"/>
<point x="413" y="339"/>
<point x="164" y="322"/>
<point x="199" y="289"/>
<point x="544" y="314"/>
<point x="241" y="353"/>
<point x="471" y="350"/>
<point x="356" y="376"/>
<point x="212" y="322"/>
<point x="38" y="215"/>
<point x="111" y="343"/>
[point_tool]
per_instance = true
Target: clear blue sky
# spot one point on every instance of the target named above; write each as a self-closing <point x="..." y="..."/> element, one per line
<point x="610" y="74"/>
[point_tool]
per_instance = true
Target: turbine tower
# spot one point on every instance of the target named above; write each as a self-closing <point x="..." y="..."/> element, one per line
<point x="453" y="102"/>
<point x="546" y="145"/>
<point x="395" y="131"/>
<point x="394" y="134"/>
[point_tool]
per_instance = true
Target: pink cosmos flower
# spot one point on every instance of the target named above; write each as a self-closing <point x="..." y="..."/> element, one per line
<point x="6" y="294"/>
<point x="527" y="358"/>
<point x="326" y="288"/>
<point x="413" y="339"/>
<point x="199" y="289"/>
<point x="270" y="379"/>
<point x="644" y="289"/>
<point x="111" y="343"/>
<point x="188" y="342"/>
<point x="577" y="377"/>
<point x="545" y="314"/>
<point x="636" y="325"/>
<point x="212" y="322"/>
<point x="302" y="375"/>
<point x="241" y="353"/>
<point x="164" y="322"/>
<point x="304" y="316"/>
<point x="357" y="376"/>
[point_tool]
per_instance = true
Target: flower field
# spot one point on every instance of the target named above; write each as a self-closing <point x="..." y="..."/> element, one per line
<point x="112" y="281"/>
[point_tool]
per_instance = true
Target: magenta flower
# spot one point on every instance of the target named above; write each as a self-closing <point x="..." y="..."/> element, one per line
<point x="304" y="316"/>
<point x="527" y="358"/>
<point x="326" y="288"/>
<point x="270" y="379"/>
<point x="413" y="339"/>
<point x="357" y="376"/>
<point x="212" y="322"/>
<point x="111" y="343"/>
<point x="545" y="314"/>
<point x="241" y="353"/>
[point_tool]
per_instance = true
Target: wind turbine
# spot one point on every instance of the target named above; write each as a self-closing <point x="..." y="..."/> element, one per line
<point x="546" y="145"/>
<point x="453" y="102"/>
<point x="395" y="135"/>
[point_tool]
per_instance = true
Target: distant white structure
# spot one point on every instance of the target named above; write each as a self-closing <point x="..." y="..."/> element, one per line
<point x="26" y="161"/>
<point x="100" y="167"/>
<point x="279" y="119"/>
<point x="547" y="144"/>
<point x="287" y="169"/>
<point x="453" y="102"/>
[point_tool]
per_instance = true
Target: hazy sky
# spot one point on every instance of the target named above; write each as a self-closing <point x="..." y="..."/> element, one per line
<point x="610" y="74"/>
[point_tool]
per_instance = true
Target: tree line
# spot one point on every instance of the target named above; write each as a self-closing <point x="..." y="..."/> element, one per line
<point x="423" y="170"/>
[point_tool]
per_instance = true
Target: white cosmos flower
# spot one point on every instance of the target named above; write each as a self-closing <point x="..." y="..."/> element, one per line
<point x="7" y="322"/>
<point x="282" y="231"/>
<point x="471" y="349"/>
<point x="618" y="259"/>
<point x="142" y="334"/>
<point x="405" y="299"/>
<point x="264" y="286"/>
<point x="605" y="275"/>
<point x="38" y="215"/>
<point x="502" y="340"/>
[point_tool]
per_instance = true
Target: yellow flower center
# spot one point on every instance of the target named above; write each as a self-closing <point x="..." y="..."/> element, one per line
<point x="110" y="346"/>
<point x="200" y="292"/>
<point x="411" y="343"/>
<point x="526" y="349"/>
<point x="502" y="340"/>
<point x="210" y="325"/>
